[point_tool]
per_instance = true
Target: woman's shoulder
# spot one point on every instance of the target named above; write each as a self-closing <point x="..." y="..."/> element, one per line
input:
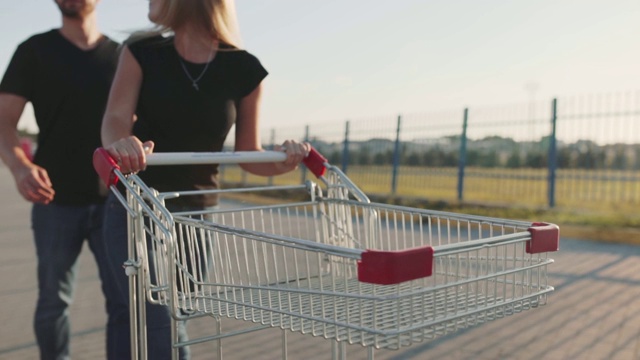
<point x="238" y="56"/>
<point x="148" y="40"/>
<point x="244" y="68"/>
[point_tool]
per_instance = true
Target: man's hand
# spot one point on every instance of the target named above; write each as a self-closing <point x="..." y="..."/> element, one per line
<point x="34" y="184"/>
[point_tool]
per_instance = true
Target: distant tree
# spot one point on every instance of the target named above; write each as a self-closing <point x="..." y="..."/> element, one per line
<point x="379" y="159"/>
<point x="619" y="161"/>
<point x="450" y="158"/>
<point x="564" y="158"/>
<point x="434" y="157"/>
<point x="403" y="155"/>
<point x="535" y="159"/>
<point x="545" y="142"/>
<point x="414" y="159"/>
<point x="383" y="158"/>
<point x="453" y="139"/>
<point x="514" y="160"/>
<point x="590" y="159"/>
<point x="363" y="156"/>
<point x="335" y="157"/>
<point x="499" y="140"/>
<point x="473" y="158"/>
<point x="488" y="159"/>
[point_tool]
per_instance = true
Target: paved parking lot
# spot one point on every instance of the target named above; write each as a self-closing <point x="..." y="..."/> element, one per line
<point x="593" y="314"/>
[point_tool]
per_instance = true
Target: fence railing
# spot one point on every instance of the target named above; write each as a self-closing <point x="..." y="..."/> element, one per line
<point x="581" y="151"/>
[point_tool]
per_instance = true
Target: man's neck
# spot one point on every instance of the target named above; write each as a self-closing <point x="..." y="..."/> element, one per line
<point x="83" y="32"/>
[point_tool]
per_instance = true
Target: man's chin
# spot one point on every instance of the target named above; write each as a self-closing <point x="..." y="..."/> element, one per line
<point x="73" y="9"/>
<point x="71" y="14"/>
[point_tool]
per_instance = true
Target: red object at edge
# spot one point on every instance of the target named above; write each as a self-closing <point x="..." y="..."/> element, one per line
<point x="315" y="163"/>
<point x="394" y="267"/>
<point x="104" y="165"/>
<point x="544" y="237"/>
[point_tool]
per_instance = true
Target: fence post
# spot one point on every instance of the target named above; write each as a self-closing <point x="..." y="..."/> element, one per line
<point x="553" y="155"/>
<point x="462" y="158"/>
<point x="303" y="169"/>
<point x="396" y="159"/>
<point x="345" y="149"/>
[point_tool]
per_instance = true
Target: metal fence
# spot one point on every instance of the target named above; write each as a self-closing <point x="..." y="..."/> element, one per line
<point x="581" y="151"/>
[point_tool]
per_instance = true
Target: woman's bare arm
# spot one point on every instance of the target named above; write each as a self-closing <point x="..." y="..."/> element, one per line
<point x="248" y="139"/>
<point x="119" y="116"/>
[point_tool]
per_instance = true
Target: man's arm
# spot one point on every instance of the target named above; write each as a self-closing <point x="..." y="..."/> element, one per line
<point x="32" y="181"/>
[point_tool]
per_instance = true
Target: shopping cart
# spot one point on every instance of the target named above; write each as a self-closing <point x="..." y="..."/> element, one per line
<point x="330" y="263"/>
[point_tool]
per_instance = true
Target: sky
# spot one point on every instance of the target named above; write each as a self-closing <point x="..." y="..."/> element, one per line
<point x="333" y="60"/>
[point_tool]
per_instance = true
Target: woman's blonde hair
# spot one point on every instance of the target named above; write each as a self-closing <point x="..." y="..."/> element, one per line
<point x="217" y="17"/>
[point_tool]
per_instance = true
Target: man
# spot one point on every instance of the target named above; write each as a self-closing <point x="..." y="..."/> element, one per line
<point x="66" y="74"/>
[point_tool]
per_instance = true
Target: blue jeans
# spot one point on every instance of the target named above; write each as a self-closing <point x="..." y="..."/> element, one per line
<point x="59" y="233"/>
<point x="158" y="318"/>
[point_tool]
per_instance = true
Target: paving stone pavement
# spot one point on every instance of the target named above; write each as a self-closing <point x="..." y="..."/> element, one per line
<point x="593" y="314"/>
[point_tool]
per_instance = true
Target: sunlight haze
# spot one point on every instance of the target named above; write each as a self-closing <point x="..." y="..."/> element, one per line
<point x="333" y="60"/>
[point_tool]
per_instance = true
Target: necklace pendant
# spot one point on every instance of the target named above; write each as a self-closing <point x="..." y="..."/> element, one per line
<point x="195" y="86"/>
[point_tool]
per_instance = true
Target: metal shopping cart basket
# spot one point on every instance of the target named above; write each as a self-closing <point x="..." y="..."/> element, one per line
<point x="334" y="264"/>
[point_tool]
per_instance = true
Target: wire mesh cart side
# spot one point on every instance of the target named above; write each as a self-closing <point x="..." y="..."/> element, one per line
<point x="151" y="232"/>
<point x="422" y="274"/>
<point x="335" y="265"/>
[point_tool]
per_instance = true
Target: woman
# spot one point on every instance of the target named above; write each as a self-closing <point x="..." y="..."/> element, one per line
<point x="180" y="88"/>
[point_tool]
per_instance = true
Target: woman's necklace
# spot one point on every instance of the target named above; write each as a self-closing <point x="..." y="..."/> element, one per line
<point x="195" y="81"/>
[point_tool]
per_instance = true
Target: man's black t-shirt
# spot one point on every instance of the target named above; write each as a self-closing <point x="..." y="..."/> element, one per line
<point x="179" y="117"/>
<point x="68" y="88"/>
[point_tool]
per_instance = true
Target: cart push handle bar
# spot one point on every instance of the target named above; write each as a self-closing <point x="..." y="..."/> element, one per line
<point x="105" y="165"/>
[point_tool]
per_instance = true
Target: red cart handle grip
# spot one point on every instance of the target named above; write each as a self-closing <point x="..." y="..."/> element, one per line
<point x="315" y="162"/>
<point x="105" y="165"/>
